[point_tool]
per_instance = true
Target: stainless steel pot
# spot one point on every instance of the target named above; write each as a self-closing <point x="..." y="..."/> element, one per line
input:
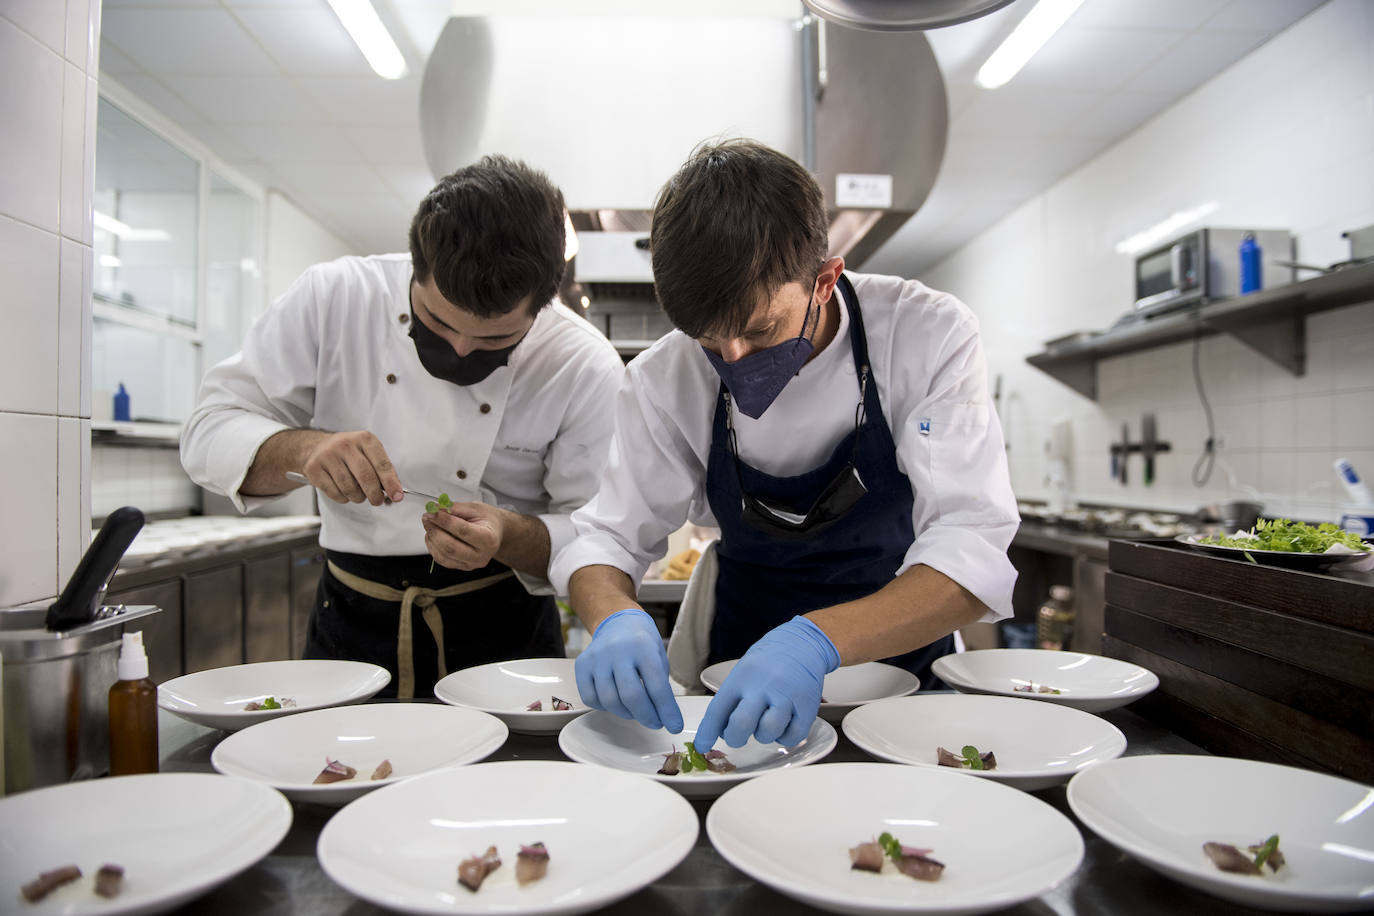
<point x="56" y="687"/>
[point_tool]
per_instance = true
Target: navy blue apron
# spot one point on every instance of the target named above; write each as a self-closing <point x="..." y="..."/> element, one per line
<point x="764" y="579"/>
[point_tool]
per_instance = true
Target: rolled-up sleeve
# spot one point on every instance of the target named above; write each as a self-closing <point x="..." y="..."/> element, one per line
<point x="267" y="387"/>
<point x="950" y="445"/>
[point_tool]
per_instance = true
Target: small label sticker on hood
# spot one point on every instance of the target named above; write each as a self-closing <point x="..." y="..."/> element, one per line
<point x="854" y="190"/>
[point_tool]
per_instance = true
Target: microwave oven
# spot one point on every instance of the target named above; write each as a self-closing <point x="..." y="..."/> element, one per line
<point x="1205" y="265"/>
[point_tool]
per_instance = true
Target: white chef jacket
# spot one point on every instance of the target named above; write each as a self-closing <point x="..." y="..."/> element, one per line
<point x="928" y="365"/>
<point x="334" y="353"/>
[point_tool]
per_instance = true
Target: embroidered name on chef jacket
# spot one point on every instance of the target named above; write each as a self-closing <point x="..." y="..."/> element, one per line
<point x="925" y="426"/>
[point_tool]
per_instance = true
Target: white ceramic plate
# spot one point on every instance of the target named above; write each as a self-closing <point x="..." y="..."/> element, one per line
<point x="1091" y="683"/>
<point x="844" y="688"/>
<point x="1289" y="558"/>
<point x="607" y="740"/>
<point x="608" y="835"/>
<point x="504" y="689"/>
<point x="289" y="753"/>
<point x="793" y="830"/>
<point x="216" y="697"/>
<point x="1162" y="808"/>
<point x="1037" y="745"/>
<point x="177" y="835"/>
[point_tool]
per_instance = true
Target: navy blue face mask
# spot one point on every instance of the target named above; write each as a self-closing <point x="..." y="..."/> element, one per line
<point x="755" y="381"/>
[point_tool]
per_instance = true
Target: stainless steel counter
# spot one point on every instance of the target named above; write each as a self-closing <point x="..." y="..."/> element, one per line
<point x="290" y="882"/>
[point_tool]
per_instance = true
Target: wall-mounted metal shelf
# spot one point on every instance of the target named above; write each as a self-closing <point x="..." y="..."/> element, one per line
<point x="1271" y="322"/>
<point x="137" y="434"/>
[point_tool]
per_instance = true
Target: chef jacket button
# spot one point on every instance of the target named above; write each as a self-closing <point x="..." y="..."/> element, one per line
<point x="391" y="378"/>
<point x="403" y="317"/>
<point x="462" y="475"/>
<point x="485" y="408"/>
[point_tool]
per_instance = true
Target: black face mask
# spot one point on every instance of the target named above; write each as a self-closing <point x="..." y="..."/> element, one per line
<point x="441" y="361"/>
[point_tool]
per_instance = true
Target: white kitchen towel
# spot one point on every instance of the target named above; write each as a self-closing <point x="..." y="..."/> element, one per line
<point x="690" y="641"/>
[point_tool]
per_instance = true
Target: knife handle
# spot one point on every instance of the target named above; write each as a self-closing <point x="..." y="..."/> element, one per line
<point x="79" y="599"/>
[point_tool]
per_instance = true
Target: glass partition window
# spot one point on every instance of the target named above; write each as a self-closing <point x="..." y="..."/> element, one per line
<point x="233" y="277"/>
<point x="146" y="209"/>
<point x="158" y="372"/>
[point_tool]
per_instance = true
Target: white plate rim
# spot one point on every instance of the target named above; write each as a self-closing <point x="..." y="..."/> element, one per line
<point x="480" y="752"/>
<point x="832" y="706"/>
<point x="240" y="858"/>
<point x="998" y="774"/>
<point x="943" y="673"/>
<point x="845" y="903"/>
<point x="1168" y="865"/>
<point x="173" y="705"/>
<point x="537" y="721"/>
<point x="671" y="861"/>
<point x="822" y="735"/>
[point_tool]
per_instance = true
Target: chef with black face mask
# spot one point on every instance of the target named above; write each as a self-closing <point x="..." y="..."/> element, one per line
<point x="452" y="370"/>
<point x="835" y="426"/>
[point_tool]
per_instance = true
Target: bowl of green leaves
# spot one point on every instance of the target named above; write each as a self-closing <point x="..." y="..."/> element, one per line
<point x="1282" y="542"/>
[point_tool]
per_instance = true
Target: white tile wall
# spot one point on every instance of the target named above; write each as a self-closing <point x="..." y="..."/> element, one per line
<point x="31" y="110"/>
<point x="29" y="262"/>
<point x="150" y="478"/>
<point x="1285" y="137"/>
<point x="47" y="89"/>
<point x="28" y="455"/>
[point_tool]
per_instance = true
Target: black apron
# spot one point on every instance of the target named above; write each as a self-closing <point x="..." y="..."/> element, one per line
<point x="497" y="623"/>
<point x="765" y="580"/>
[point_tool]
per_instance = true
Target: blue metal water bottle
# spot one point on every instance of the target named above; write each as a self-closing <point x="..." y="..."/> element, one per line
<point x="1250" y="279"/>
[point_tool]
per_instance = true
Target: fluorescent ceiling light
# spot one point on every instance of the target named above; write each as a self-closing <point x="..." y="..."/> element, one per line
<point x="1028" y="37"/>
<point x="1164" y="228"/>
<point x="109" y="260"/>
<point x="371" y="37"/>
<point x="124" y="231"/>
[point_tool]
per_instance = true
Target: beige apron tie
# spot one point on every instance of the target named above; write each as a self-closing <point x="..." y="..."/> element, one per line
<point x="422" y="598"/>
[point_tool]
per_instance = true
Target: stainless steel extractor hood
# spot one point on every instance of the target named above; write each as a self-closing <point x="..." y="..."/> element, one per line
<point x="610" y="106"/>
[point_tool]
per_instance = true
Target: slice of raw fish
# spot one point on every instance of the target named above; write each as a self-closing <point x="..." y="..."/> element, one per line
<point x="383" y="770"/>
<point x="531" y="863"/>
<point x="472" y="872"/>
<point x="561" y="705"/>
<point x="922" y="868"/>
<point x="672" y="764"/>
<point x="866" y="857"/>
<point x="948" y="758"/>
<point x="536" y="706"/>
<point x="1228" y="858"/>
<point x="717" y="762"/>
<point x="334" y="771"/>
<point x="49" y="881"/>
<point x="109" y="880"/>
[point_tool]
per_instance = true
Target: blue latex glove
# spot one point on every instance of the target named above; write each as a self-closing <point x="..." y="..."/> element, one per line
<point x="624" y="670"/>
<point x="772" y="693"/>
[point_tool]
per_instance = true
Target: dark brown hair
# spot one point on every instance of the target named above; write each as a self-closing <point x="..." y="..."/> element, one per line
<point x="491" y="234"/>
<point x="737" y="221"/>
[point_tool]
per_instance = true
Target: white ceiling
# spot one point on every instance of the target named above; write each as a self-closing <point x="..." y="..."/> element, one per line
<point x="277" y="89"/>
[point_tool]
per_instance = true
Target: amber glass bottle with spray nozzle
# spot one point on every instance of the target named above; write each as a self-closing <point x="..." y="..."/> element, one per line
<point x="133" y="712"/>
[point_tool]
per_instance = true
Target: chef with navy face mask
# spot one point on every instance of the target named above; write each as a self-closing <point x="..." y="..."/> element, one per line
<point x="836" y="427"/>
<point x="446" y="370"/>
